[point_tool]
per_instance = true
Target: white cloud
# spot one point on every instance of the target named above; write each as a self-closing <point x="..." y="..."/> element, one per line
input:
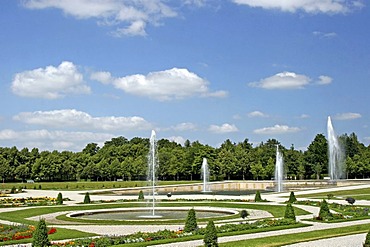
<point x="225" y="128"/>
<point x="284" y="80"/>
<point x="303" y="116"/>
<point x="50" y="140"/>
<point x="70" y="118"/>
<point x="178" y="139"/>
<point x="323" y="35"/>
<point x="130" y="17"/>
<point x="308" y="6"/>
<point x="184" y="127"/>
<point x="324" y="80"/>
<point x="277" y="129"/>
<point x="164" y="85"/>
<point x="101" y="76"/>
<point x="50" y="82"/>
<point x="347" y="116"/>
<point x="289" y="80"/>
<point x="257" y="114"/>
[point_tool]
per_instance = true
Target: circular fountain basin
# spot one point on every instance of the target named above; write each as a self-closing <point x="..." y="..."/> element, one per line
<point x="162" y="213"/>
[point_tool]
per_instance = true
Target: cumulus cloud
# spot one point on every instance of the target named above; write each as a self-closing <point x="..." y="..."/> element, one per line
<point x="178" y="139"/>
<point x="50" y="82"/>
<point x="289" y="80"/>
<point x="257" y="114"/>
<point x="184" y="127"/>
<point x="324" y="80"/>
<point x="225" y="128"/>
<point x="101" y="76"/>
<point x="323" y="35"/>
<point x="175" y="83"/>
<point x="71" y="118"/>
<point x="347" y="116"/>
<point x="308" y="6"/>
<point x="129" y="17"/>
<point x="60" y="140"/>
<point x="277" y="129"/>
<point x="284" y="80"/>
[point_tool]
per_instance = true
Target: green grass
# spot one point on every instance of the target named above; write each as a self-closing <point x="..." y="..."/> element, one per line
<point x="358" y="194"/>
<point x="299" y="237"/>
<point x="21" y="215"/>
<point x="87" y="185"/>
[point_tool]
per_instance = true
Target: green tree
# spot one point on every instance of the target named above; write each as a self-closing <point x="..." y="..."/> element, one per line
<point x="316" y="156"/>
<point x="292" y="198"/>
<point x="141" y="195"/>
<point x="289" y="212"/>
<point x="210" y="236"/>
<point x="59" y="199"/>
<point x="257" y="197"/>
<point x="40" y="235"/>
<point x="325" y="211"/>
<point x="87" y="199"/>
<point x="191" y="221"/>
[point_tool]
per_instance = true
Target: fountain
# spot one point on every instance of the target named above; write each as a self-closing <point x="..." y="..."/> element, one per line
<point x="336" y="162"/>
<point x="152" y="165"/>
<point x="205" y="176"/>
<point x="279" y="170"/>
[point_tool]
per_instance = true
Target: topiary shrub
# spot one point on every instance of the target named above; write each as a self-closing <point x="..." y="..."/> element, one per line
<point x="292" y="198"/>
<point x="350" y="200"/>
<point x="367" y="240"/>
<point x="244" y="214"/>
<point x="13" y="190"/>
<point x="257" y="197"/>
<point x="59" y="199"/>
<point x="191" y="221"/>
<point x="141" y="195"/>
<point x="289" y="212"/>
<point x="325" y="211"/>
<point x="87" y="198"/>
<point x="40" y="235"/>
<point x="210" y="236"/>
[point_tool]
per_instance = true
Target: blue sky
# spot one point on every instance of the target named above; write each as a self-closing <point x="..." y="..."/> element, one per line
<point x="76" y="72"/>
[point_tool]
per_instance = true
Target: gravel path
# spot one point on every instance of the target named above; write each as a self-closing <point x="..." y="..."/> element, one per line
<point x="346" y="241"/>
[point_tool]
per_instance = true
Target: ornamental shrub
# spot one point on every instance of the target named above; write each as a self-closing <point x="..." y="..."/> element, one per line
<point x="367" y="240"/>
<point x="87" y="198"/>
<point x="324" y="210"/>
<point x="191" y="221"/>
<point x="292" y="198"/>
<point x="210" y="236"/>
<point x="59" y="199"/>
<point x="13" y="190"/>
<point x="141" y="195"/>
<point x="244" y="214"/>
<point x="289" y="212"/>
<point x="40" y="235"/>
<point x="258" y="198"/>
<point x="350" y="200"/>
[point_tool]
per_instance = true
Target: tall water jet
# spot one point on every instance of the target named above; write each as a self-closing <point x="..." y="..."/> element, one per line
<point x="336" y="161"/>
<point x="152" y="166"/>
<point x="205" y="175"/>
<point x="279" y="170"/>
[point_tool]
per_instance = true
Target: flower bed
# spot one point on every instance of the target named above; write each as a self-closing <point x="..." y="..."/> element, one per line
<point x="28" y="201"/>
<point x="14" y="232"/>
<point x="167" y="234"/>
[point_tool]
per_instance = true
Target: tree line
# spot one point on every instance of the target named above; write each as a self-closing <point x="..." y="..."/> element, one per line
<point x="120" y="158"/>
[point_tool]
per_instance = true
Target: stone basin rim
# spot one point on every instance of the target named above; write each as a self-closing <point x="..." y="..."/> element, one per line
<point x="227" y="211"/>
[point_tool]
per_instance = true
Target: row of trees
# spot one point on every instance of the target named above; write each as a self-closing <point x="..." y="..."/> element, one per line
<point x="125" y="159"/>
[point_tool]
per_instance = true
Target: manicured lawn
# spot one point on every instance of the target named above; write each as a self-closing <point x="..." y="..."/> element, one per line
<point x="358" y="194"/>
<point x="21" y="215"/>
<point x="86" y="185"/>
<point x="299" y="237"/>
